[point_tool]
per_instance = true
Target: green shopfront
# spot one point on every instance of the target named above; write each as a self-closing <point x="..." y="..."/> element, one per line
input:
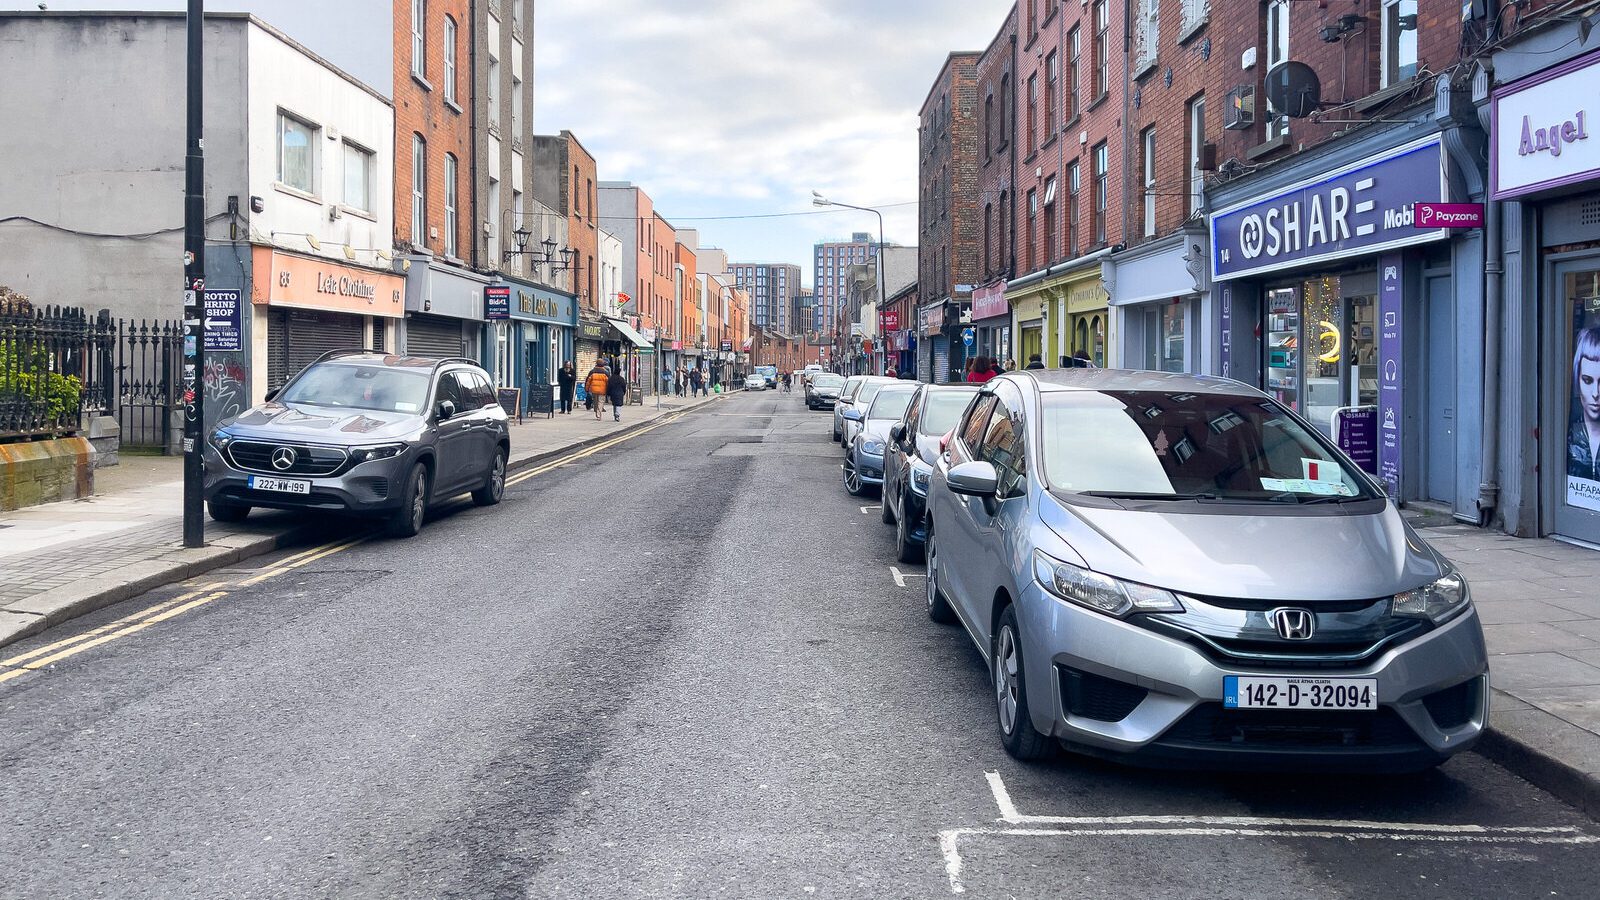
<point x="534" y="338"/>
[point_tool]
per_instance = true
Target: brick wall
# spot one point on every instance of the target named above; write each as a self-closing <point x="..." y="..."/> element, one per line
<point x="581" y="205"/>
<point x="663" y="242"/>
<point x="1081" y="125"/>
<point x="446" y="129"/>
<point x="947" y="175"/>
<point x="996" y="163"/>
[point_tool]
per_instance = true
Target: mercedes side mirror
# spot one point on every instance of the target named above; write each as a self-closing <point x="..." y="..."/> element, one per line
<point x="974" y="479"/>
<point x="897" y="432"/>
<point x="447" y="409"/>
<point x="273" y="394"/>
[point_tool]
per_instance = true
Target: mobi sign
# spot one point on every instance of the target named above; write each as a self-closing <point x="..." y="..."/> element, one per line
<point x="1544" y="130"/>
<point x="1366" y="207"/>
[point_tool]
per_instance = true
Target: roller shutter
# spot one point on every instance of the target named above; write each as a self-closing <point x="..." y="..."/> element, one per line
<point x="297" y="337"/>
<point x="941" y="359"/>
<point x="433" y="336"/>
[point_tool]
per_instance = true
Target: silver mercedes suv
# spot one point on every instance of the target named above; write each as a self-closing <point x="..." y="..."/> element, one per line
<point x="1179" y="570"/>
<point x="364" y="433"/>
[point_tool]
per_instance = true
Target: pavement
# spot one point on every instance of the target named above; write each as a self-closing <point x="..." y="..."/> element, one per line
<point x="681" y="665"/>
<point x="62" y="560"/>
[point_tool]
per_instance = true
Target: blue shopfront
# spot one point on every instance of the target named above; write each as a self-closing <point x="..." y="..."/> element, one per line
<point x="1333" y="296"/>
<point x="530" y="336"/>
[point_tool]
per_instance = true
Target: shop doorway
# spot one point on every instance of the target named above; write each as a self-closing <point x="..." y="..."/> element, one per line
<point x="1573" y="399"/>
<point x="1439" y="439"/>
<point x="1320" y="345"/>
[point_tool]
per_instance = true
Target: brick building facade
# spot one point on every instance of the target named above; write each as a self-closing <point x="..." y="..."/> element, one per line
<point x="565" y="180"/>
<point x="997" y="176"/>
<point x="948" y="227"/>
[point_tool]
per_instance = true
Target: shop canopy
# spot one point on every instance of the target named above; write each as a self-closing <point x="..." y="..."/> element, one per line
<point x="627" y="332"/>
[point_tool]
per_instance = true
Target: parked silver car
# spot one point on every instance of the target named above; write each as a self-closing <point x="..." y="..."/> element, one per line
<point x="863" y="456"/>
<point x="365" y="433"/>
<point x="1176" y="569"/>
<point x="857" y="393"/>
<point x="909" y="460"/>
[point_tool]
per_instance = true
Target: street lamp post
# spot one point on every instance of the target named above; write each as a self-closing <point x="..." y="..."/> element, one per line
<point x="818" y="200"/>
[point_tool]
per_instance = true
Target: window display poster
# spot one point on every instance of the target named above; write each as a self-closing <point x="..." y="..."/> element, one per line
<point x="1391" y="295"/>
<point x="1583" y="423"/>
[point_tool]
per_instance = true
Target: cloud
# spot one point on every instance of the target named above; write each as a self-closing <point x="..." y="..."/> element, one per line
<point x="741" y="107"/>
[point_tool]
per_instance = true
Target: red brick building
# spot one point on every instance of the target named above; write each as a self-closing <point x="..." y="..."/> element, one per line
<point x="564" y="180"/>
<point x="431" y="128"/>
<point x="997" y="175"/>
<point x="947" y="233"/>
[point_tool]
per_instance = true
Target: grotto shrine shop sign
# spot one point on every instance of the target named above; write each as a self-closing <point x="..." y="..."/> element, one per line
<point x="1545" y="130"/>
<point x="1366" y="207"/>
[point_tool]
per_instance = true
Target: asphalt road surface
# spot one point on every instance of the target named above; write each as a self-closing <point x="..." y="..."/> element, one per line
<point x="679" y="666"/>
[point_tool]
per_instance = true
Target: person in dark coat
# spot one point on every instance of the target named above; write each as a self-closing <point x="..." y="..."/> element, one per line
<point x="617" y="392"/>
<point x="1035" y="362"/>
<point x="567" y="379"/>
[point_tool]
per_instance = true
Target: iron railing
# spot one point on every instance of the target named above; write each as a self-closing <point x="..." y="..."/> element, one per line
<point x="54" y="368"/>
<point x="147" y="406"/>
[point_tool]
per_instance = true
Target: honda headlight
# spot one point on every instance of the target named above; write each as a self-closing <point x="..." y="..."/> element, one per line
<point x="873" y="447"/>
<point x="377" y="451"/>
<point x="920" y="473"/>
<point x="1101" y="593"/>
<point x="1438" y="602"/>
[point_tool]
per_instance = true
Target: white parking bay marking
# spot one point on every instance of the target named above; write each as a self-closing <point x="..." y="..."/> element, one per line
<point x="1018" y="824"/>
<point x="869" y="510"/>
<point x="900" y="581"/>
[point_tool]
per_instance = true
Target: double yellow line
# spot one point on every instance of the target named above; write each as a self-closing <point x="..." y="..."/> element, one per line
<point x="43" y="657"/>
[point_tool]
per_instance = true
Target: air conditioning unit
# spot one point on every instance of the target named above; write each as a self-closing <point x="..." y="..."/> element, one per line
<point x="1240" y="111"/>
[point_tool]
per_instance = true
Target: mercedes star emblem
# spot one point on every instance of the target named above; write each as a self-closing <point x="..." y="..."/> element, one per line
<point x="283" y="459"/>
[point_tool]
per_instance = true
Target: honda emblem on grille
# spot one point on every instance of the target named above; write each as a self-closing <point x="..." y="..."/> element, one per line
<point x="1293" y="624"/>
<point x="283" y="459"/>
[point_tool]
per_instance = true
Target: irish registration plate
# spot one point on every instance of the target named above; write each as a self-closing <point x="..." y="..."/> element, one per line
<point x="1250" y="692"/>
<point x="285" y="485"/>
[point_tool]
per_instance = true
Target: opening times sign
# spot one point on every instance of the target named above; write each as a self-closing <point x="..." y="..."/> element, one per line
<point x="221" y="321"/>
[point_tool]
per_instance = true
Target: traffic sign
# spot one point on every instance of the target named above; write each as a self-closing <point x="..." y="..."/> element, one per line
<point x="968" y="336"/>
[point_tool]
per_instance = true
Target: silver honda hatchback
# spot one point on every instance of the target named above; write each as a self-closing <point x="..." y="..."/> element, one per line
<point x="1177" y="570"/>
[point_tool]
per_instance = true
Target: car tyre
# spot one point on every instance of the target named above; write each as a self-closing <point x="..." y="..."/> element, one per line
<point x="938" y="607"/>
<point x="906" y="550"/>
<point x="1017" y="733"/>
<point x="407" y="520"/>
<point x="852" y="478"/>
<point x="885" y="509"/>
<point x="837" y="438"/>
<point x="495" y="487"/>
<point x="223" y="511"/>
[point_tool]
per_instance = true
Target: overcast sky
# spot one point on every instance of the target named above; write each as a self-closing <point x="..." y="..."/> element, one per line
<point x="715" y="107"/>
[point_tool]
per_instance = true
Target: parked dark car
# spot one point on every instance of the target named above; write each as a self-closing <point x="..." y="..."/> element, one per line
<point x="363" y="433"/>
<point x="822" y="390"/>
<point x="907" y="465"/>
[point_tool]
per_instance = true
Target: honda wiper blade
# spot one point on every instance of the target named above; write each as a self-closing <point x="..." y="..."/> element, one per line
<point x="1146" y="495"/>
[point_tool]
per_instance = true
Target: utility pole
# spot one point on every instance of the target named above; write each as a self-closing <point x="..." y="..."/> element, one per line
<point x="194" y="270"/>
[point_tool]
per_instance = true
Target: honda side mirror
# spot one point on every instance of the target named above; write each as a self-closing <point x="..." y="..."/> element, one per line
<point x="974" y="479"/>
<point x="854" y="415"/>
<point x="447" y="409"/>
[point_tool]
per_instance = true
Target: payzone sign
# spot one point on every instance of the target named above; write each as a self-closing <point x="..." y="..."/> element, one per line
<point x="1366" y="207"/>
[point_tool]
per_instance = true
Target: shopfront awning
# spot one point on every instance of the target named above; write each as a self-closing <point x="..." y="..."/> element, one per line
<point x="627" y="332"/>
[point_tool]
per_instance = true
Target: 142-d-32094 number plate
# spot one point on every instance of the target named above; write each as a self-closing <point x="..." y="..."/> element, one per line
<point x="1250" y="692"/>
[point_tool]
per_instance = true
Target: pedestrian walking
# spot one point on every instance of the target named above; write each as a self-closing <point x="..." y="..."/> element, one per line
<point x="697" y="379"/>
<point x="680" y="382"/>
<point x="595" y="384"/>
<point x="617" y="391"/>
<point x="567" y="379"/>
<point x="1011" y="364"/>
<point x="787" y="379"/>
<point x="666" y="380"/>
<point x="1035" y="361"/>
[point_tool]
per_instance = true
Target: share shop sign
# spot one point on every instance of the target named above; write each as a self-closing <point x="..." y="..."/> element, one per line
<point x="1364" y="208"/>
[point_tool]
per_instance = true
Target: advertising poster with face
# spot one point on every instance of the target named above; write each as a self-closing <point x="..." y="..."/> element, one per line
<point x="1583" y="432"/>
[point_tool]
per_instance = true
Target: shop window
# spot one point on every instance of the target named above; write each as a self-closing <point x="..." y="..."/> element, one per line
<point x="1165" y="336"/>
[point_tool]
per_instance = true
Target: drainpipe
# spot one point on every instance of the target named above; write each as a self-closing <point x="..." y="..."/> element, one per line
<point x="1493" y="318"/>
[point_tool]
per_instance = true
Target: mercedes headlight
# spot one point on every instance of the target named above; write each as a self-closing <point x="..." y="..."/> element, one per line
<point x="1438" y="602"/>
<point x="1101" y="593"/>
<point x="220" y="439"/>
<point x="873" y="447"/>
<point x="377" y="451"/>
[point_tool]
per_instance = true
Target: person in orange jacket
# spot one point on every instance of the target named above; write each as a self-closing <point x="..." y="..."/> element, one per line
<point x="595" y="386"/>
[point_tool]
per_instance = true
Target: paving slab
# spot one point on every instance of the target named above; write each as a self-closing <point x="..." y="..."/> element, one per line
<point x="1536" y="637"/>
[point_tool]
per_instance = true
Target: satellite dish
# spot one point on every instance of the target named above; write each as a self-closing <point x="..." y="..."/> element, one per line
<point x="1293" y="89"/>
